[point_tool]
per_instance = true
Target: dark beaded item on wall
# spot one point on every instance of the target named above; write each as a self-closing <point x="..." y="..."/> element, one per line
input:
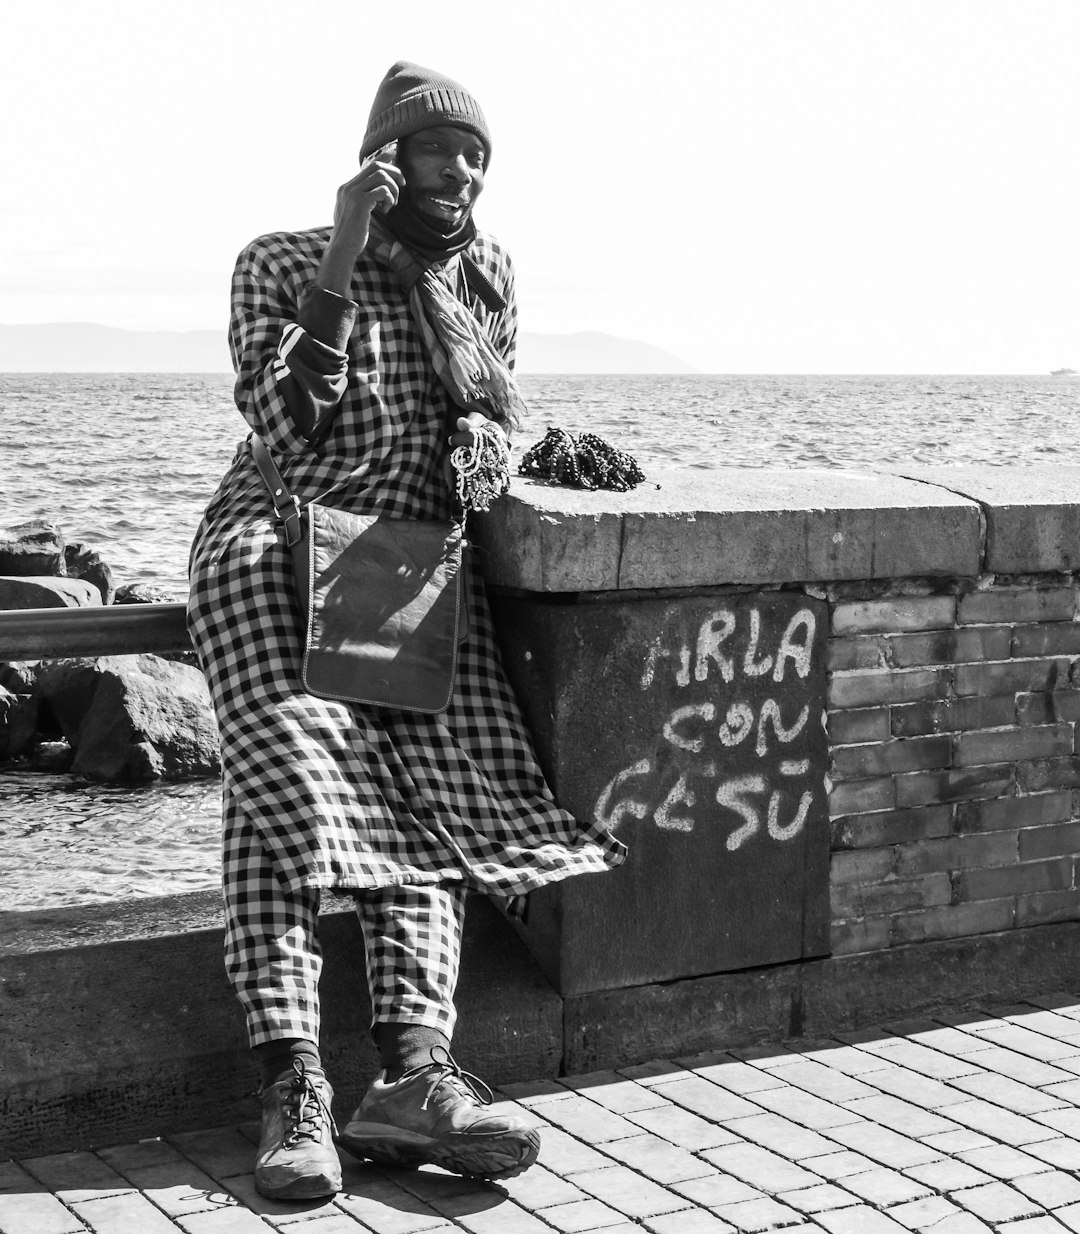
<point x="581" y="460"/>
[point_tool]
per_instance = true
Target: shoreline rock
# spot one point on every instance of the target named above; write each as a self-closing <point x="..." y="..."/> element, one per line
<point x="143" y="593"/>
<point x="124" y="719"/>
<point x="32" y="548"/>
<point x="41" y="591"/>
<point x="87" y="564"/>
<point x="133" y="719"/>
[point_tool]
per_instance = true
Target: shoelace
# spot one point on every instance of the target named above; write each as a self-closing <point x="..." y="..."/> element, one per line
<point x="305" y="1108"/>
<point x="447" y="1069"/>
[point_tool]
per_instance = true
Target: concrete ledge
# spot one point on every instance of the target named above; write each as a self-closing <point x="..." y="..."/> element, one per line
<point x="732" y="525"/>
<point x="817" y="998"/>
<point x="1032" y="513"/>
<point x="119" y="1022"/>
<point x="128" y="1037"/>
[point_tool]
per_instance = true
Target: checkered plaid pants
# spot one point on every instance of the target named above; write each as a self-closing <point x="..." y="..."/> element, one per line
<point x="412" y="938"/>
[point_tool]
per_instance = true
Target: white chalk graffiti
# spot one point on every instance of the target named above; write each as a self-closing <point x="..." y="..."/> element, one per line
<point x="613" y="808"/>
<point x="671" y="791"/>
<point x="737" y="724"/>
<point x="707" y="650"/>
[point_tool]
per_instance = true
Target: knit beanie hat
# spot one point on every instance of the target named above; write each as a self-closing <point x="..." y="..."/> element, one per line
<point x="412" y="98"/>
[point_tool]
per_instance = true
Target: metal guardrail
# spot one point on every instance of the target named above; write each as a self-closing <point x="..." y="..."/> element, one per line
<point x="115" y="630"/>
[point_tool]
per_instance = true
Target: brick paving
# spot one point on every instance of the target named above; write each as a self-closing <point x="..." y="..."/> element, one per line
<point x="961" y="1125"/>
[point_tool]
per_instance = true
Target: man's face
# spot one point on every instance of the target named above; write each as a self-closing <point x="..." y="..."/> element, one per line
<point x="444" y="172"/>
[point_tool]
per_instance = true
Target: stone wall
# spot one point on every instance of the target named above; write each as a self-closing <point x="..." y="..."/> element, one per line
<point x="952" y="699"/>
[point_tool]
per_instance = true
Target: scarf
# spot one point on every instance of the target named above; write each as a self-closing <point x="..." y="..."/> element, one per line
<point x="424" y="236"/>
<point x="475" y="375"/>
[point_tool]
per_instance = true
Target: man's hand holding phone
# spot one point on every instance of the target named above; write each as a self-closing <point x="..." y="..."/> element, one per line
<point x="375" y="187"/>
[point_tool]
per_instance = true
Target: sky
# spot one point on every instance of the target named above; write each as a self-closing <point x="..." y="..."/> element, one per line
<point x="785" y="186"/>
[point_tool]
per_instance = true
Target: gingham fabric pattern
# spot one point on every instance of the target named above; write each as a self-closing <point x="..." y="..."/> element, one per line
<point x="342" y="796"/>
<point x="413" y="948"/>
<point x="412" y="943"/>
<point x="272" y="953"/>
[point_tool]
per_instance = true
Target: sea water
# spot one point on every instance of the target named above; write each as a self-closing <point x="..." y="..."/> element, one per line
<point x="126" y="462"/>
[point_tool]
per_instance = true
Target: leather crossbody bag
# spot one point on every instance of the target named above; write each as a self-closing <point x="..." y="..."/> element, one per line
<point x="381" y="599"/>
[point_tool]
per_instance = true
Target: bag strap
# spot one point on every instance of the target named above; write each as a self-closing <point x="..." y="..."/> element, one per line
<point x="480" y="285"/>
<point x="286" y="507"/>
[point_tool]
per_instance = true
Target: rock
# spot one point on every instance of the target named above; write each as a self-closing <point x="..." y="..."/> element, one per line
<point x="32" y="548"/>
<point x="143" y="593"/>
<point x="182" y="657"/>
<point x="20" y="676"/>
<point x="87" y="563"/>
<point x="52" y="756"/>
<point x="67" y="689"/>
<point x="19" y="708"/>
<point x="41" y="592"/>
<point x="18" y="722"/>
<point x="133" y="719"/>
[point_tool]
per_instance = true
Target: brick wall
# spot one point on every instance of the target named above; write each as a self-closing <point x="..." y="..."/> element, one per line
<point x="954" y="729"/>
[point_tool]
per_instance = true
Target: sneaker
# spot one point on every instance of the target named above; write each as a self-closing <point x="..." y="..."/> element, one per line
<point x="438" y="1114"/>
<point x="296" y="1158"/>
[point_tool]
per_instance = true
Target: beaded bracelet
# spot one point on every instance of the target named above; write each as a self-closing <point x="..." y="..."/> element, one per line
<point x="482" y="469"/>
<point x="583" y="461"/>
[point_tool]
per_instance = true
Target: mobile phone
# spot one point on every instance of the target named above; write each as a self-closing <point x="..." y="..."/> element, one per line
<point x="384" y="154"/>
<point x="387" y="153"/>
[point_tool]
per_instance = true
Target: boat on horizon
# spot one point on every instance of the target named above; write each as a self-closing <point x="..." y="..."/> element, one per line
<point x="1063" y="372"/>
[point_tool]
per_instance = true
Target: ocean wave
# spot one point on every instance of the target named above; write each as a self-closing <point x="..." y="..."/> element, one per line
<point x="130" y="460"/>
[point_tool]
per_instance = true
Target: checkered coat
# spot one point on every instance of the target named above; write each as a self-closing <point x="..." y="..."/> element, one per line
<point x="345" y="796"/>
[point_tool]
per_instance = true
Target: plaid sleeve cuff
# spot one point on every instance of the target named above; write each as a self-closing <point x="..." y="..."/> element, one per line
<point x="327" y="317"/>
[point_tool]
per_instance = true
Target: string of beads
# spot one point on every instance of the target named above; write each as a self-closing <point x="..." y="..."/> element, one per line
<point x="582" y="460"/>
<point x="482" y="470"/>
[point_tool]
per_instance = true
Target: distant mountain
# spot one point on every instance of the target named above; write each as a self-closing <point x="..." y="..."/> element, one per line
<point x="79" y="347"/>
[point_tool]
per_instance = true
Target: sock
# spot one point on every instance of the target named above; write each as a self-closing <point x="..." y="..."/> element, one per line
<point x="275" y="1058"/>
<point x="405" y="1046"/>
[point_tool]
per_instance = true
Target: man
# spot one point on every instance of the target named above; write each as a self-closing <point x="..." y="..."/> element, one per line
<point x="361" y="350"/>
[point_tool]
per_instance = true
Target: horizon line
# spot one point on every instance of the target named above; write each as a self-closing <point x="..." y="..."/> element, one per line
<point x="39" y="372"/>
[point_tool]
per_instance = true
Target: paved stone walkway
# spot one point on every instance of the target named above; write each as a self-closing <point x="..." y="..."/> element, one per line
<point x="957" y="1125"/>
